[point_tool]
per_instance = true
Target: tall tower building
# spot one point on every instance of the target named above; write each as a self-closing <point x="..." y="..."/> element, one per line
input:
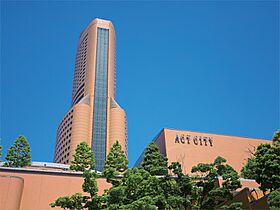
<point x="94" y="116"/>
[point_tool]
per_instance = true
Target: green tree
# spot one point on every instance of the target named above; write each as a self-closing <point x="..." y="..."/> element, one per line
<point x="154" y="162"/>
<point x="207" y="195"/>
<point x="138" y="189"/>
<point x="144" y="203"/>
<point x="94" y="201"/>
<point x="83" y="161"/>
<point x="274" y="200"/>
<point x="268" y="167"/>
<point x="18" y="155"/>
<point x="180" y="192"/>
<point x="249" y="169"/>
<point x="276" y="139"/>
<point x="70" y="202"/>
<point x="83" y="158"/>
<point x="115" y="164"/>
<point x="264" y="166"/>
<point x="233" y="206"/>
<point x="79" y="201"/>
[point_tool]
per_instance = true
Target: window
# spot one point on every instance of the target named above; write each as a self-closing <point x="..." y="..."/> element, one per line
<point x="100" y="98"/>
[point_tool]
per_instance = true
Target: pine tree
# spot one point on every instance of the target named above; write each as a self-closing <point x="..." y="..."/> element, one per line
<point x="232" y="206"/>
<point x="115" y="164"/>
<point x="268" y="166"/>
<point x="18" y="155"/>
<point x="83" y="161"/>
<point x="137" y="190"/>
<point x="276" y="139"/>
<point x="206" y="195"/>
<point x="274" y="200"/>
<point x="154" y="162"/>
<point x="69" y="202"/>
<point x="249" y="169"/>
<point x="91" y="201"/>
<point x="94" y="201"/>
<point x="83" y="158"/>
<point x="264" y="166"/>
<point x="179" y="194"/>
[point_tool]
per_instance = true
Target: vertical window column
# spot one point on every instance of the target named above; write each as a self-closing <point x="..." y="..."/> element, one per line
<point x="100" y="99"/>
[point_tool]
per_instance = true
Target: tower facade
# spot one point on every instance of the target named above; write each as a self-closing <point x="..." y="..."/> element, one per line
<point x="94" y="117"/>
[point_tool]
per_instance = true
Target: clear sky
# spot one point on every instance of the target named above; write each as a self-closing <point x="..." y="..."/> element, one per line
<point x="208" y="66"/>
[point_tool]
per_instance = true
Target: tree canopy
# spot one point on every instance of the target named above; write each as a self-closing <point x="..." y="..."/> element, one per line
<point x="83" y="161"/>
<point x="154" y="162"/>
<point x="116" y="163"/>
<point x="139" y="189"/>
<point x="83" y="158"/>
<point x="134" y="188"/>
<point x="274" y="200"/>
<point x="18" y="155"/>
<point x="264" y="165"/>
<point x="207" y="194"/>
<point x="92" y="201"/>
<point x="151" y="187"/>
<point x="276" y="139"/>
<point x="249" y="171"/>
<point x="267" y="167"/>
<point x="179" y="189"/>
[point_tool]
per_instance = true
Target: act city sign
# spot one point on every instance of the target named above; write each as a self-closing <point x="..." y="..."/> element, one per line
<point x="197" y="140"/>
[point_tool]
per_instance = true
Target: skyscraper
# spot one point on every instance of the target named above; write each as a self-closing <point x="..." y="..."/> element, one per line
<point x="94" y="116"/>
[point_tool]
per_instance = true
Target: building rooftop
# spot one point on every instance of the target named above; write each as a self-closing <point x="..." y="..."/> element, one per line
<point x="45" y="167"/>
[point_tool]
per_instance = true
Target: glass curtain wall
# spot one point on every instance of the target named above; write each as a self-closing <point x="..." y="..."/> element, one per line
<point x="100" y="99"/>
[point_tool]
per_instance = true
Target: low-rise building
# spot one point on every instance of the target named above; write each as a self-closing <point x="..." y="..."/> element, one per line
<point x="35" y="187"/>
<point x="190" y="148"/>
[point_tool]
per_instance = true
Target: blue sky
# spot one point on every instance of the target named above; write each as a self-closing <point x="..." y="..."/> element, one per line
<point x="208" y="66"/>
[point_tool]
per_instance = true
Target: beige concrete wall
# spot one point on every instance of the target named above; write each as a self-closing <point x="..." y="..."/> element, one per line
<point x="117" y="129"/>
<point x="112" y="62"/>
<point x="236" y="150"/>
<point x="40" y="189"/>
<point x="11" y="188"/>
<point x="91" y="30"/>
<point x="161" y="143"/>
<point x="63" y="137"/>
<point x="81" y="127"/>
<point x="37" y="188"/>
<point x="91" y="59"/>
